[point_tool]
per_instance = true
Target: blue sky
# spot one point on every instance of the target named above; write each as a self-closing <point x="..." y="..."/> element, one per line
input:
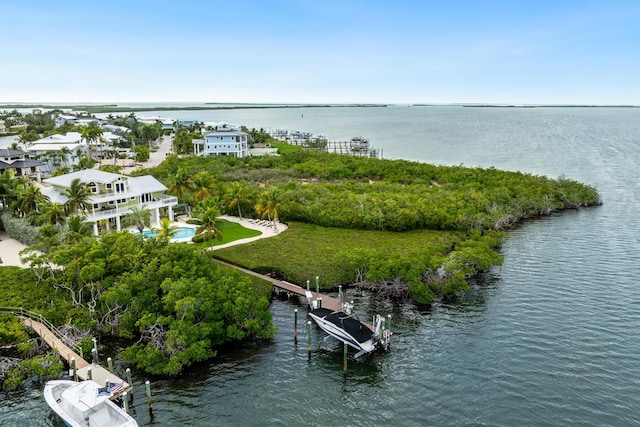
<point x="329" y="51"/>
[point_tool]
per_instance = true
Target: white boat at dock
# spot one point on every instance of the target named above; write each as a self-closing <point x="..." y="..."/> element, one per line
<point x="351" y="331"/>
<point x="85" y="404"/>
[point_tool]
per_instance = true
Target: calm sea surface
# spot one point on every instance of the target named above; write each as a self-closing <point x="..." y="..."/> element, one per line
<point x="550" y="338"/>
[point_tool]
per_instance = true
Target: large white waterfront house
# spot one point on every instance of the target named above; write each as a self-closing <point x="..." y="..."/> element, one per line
<point x="113" y="196"/>
<point x="222" y="142"/>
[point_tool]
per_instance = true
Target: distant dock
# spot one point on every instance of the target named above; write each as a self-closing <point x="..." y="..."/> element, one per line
<point x="357" y="146"/>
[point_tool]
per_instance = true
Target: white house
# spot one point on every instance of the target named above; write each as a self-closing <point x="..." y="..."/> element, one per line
<point x="64" y="119"/>
<point x="72" y="143"/>
<point x="3" y="127"/>
<point x="113" y="196"/>
<point x="222" y="142"/>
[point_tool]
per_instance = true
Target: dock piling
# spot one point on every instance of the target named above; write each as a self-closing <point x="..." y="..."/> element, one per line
<point x="125" y="400"/>
<point x="95" y="347"/>
<point x="148" y="387"/>
<point x="309" y="338"/>
<point x="74" y="369"/>
<point x="110" y="364"/>
<point x="344" y="358"/>
<point x="129" y="378"/>
<point x="295" y="325"/>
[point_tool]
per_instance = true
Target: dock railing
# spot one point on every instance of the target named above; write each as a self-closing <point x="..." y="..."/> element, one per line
<point x="21" y="312"/>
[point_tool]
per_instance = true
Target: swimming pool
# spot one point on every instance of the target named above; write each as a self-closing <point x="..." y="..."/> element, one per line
<point x="182" y="233"/>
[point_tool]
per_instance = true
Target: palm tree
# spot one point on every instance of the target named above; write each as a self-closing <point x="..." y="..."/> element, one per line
<point x="77" y="228"/>
<point x="202" y="186"/>
<point x="29" y="199"/>
<point x="208" y="225"/>
<point x="6" y="186"/>
<point x="62" y="170"/>
<point x="139" y="217"/>
<point x="54" y="214"/>
<point x="78" y="195"/>
<point x="180" y="184"/>
<point x="235" y="195"/>
<point x="270" y="205"/>
<point x="64" y="155"/>
<point x="166" y="230"/>
<point x="91" y="133"/>
<point x="15" y="146"/>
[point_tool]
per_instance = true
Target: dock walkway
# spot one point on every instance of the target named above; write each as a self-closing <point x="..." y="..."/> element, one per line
<point x="64" y="347"/>
<point x="327" y="302"/>
<point x="331" y="303"/>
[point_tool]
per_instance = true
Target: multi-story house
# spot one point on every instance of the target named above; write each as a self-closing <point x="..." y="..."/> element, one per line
<point x="113" y="196"/>
<point x="222" y="142"/>
<point x="58" y="150"/>
<point x="18" y="161"/>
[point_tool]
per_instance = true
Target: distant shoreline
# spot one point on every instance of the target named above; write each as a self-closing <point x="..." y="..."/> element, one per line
<point x="114" y="108"/>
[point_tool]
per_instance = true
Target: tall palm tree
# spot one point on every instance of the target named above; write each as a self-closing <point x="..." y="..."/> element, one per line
<point x="139" y="217"/>
<point x="208" y="225"/>
<point x="203" y="185"/>
<point x="180" y="184"/>
<point x="235" y="195"/>
<point x="78" y="197"/>
<point x="166" y="230"/>
<point x="91" y="133"/>
<point x="64" y="154"/>
<point x="270" y="205"/>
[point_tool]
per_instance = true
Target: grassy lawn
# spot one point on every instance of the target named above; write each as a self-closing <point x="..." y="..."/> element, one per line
<point x="305" y="251"/>
<point x="231" y="231"/>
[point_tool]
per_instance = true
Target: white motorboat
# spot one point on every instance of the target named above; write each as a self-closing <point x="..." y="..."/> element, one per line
<point x="85" y="404"/>
<point x="346" y="328"/>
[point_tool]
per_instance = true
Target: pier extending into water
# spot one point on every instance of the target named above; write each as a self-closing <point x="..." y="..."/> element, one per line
<point x="70" y="352"/>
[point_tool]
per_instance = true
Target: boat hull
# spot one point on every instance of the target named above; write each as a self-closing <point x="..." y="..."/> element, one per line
<point x="346" y="329"/>
<point x="80" y="404"/>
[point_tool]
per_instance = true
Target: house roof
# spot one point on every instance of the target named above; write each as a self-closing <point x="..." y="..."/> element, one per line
<point x="145" y="184"/>
<point x="55" y="146"/>
<point x="54" y="195"/>
<point x="70" y="137"/>
<point x="85" y="175"/>
<point x="27" y="163"/>
<point x="136" y="185"/>
<point x="5" y="152"/>
<point x="225" y="132"/>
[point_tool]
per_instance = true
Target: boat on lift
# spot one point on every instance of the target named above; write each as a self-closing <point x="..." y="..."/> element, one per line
<point x="359" y="143"/>
<point x="346" y="327"/>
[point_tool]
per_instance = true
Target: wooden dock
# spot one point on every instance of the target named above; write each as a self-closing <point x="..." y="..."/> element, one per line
<point x="328" y="302"/>
<point x="64" y="347"/>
